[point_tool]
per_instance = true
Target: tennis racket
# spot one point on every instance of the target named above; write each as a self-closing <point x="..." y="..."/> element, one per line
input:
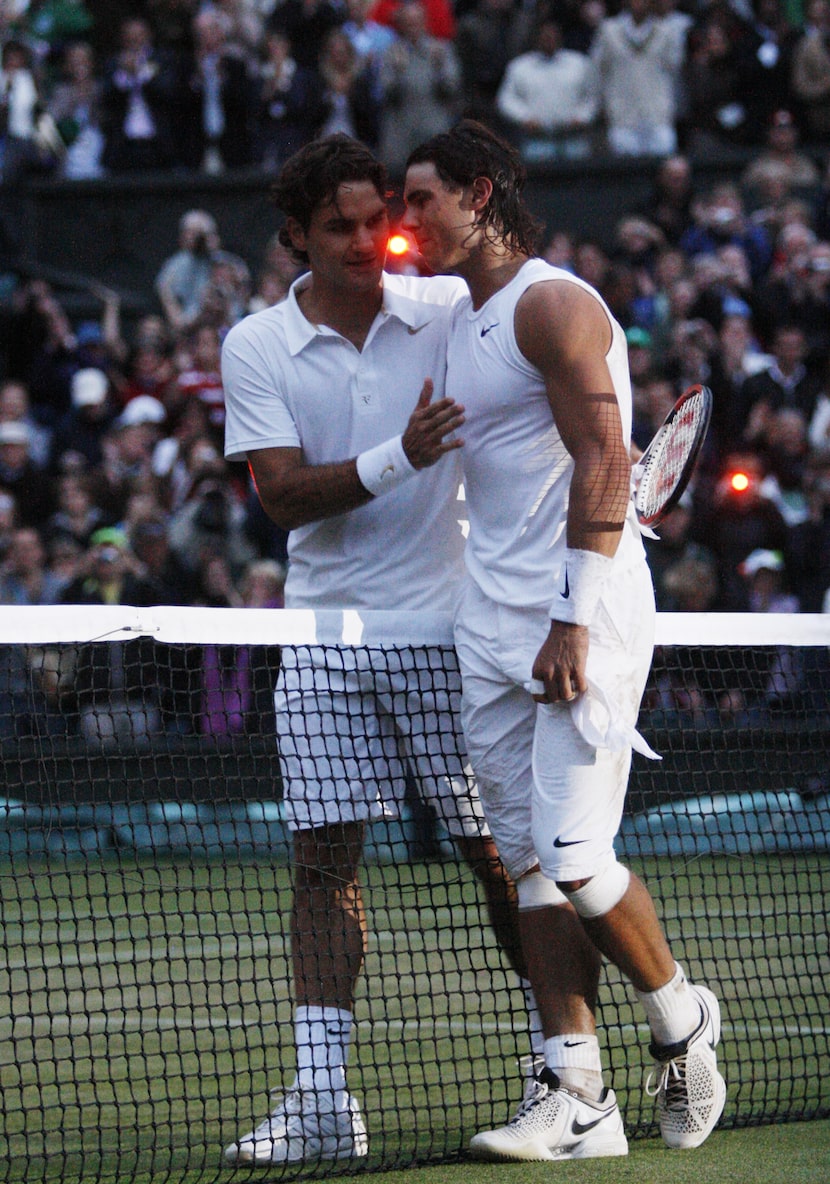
<point x="668" y="461"/>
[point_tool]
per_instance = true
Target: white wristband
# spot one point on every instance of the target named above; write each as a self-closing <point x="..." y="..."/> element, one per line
<point x="384" y="467"/>
<point x="581" y="584"/>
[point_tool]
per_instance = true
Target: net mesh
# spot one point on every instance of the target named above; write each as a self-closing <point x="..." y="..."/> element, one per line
<point x="145" y="892"/>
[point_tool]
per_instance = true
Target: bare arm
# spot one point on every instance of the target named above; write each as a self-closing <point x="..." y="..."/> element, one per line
<point x="294" y="493"/>
<point x="563" y="331"/>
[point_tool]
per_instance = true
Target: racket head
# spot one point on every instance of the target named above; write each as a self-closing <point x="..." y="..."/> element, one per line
<point x="670" y="458"/>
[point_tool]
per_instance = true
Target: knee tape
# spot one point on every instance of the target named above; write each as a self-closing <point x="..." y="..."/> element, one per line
<point x="536" y="891"/>
<point x="602" y="892"/>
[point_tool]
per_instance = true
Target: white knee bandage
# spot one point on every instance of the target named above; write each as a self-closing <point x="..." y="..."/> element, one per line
<point x="536" y="891"/>
<point x="602" y="892"/>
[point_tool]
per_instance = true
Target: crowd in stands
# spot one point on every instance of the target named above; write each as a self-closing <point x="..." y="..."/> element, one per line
<point x="113" y="486"/>
<point x="90" y="87"/>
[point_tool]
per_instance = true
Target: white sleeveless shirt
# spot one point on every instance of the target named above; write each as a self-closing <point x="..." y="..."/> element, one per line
<point x="517" y="471"/>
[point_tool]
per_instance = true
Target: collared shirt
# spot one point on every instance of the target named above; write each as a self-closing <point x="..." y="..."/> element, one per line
<point x="292" y="384"/>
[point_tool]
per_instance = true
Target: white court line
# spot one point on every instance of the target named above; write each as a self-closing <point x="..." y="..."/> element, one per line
<point x="98" y="1023"/>
<point x="240" y="946"/>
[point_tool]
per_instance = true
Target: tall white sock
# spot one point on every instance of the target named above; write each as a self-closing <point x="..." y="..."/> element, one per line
<point x="673" y="1011"/>
<point x="575" y="1059"/>
<point x="322" y="1036"/>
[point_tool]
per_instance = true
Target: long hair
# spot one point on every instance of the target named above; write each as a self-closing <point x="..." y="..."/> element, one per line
<point x="311" y="177"/>
<point x="470" y="150"/>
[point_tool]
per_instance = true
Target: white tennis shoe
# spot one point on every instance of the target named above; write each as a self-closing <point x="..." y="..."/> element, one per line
<point x="553" y="1123"/>
<point x="298" y="1130"/>
<point x="690" y="1091"/>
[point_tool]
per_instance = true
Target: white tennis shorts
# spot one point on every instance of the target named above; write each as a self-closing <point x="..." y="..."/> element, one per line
<point x="351" y="723"/>
<point x="549" y="795"/>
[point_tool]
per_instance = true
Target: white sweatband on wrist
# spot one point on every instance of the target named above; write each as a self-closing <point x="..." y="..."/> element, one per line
<point x="581" y="583"/>
<point x="384" y="467"/>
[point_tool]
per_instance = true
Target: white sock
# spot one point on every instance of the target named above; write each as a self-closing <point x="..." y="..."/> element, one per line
<point x="322" y="1036"/>
<point x="575" y="1059"/>
<point x="673" y="1011"/>
<point x="537" y="1036"/>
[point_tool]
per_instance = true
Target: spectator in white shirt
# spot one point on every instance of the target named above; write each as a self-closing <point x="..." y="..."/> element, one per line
<point x="550" y="93"/>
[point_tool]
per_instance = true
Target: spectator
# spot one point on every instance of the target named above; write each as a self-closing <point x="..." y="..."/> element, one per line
<point x="766" y="64"/>
<point x="117" y="686"/>
<point x="225" y="299"/>
<point x="202" y="381"/>
<point x="184" y="456"/>
<point x="439" y="16"/>
<point x="24" y="577"/>
<point x="781" y="153"/>
<point x="735" y="521"/>
<point x="783" y="448"/>
<point x="715" y="117"/>
<point x="127" y="455"/>
<point x="184" y="275"/>
<point x="811" y="71"/>
<point x="370" y="39"/>
<point x="262" y="584"/>
<point x="216" y="104"/>
<point x="277" y="274"/>
<point x="21" y="477"/>
<point x="286" y="103"/>
<point x="638" y="62"/>
<point x="82" y="429"/>
<point x="211" y="522"/>
<point x="75" y="104"/>
<point x="490" y="36"/>
<point x="800" y="294"/>
<point x="669" y="206"/>
<point x="139" y="102"/>
<point x="306" y="23"/>
<point x="719" y="218"/>
<point x="786" y="382"/>
<point x="810" y="540"/>
<point x="350" y="102"/>
<point x="672" y="547"/>
<point x="421" y="82"/>
<point x="15" y="407"/>
<point x="549" y="97"/>
<point x="724" y="285"/>
<point x="8" y="521"/>
<point x="243" y="25"/>
<point x="150" y="543"/>
<point x="22" y="150"/>
<point x="76" y="517"/>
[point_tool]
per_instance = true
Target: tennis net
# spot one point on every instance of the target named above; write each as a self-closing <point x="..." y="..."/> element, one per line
<point x="145" y="890"/>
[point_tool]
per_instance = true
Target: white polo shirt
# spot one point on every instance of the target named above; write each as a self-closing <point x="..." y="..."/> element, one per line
<point x="291" y="384"/>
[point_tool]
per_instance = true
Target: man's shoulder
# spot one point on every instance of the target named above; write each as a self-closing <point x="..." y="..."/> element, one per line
<point x="256" y="326"/>
<point x="436" y="289"/>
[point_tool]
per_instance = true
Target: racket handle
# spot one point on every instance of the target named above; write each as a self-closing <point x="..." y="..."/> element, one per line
<point x="535" y="686"/>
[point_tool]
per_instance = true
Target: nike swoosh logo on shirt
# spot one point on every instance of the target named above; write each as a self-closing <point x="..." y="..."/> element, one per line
<point x="413" y="329"/>
<point x="557" y="842"/>
<point x="567" y="591"/>
<point x="489" y="328"/>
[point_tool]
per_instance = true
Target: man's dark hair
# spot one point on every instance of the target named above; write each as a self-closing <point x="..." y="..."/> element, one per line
<point x="311" y="177"/>
<point x="470" y="150"/>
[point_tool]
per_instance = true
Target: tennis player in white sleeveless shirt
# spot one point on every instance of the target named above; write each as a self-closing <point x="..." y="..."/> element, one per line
<point x="517" y="474"/>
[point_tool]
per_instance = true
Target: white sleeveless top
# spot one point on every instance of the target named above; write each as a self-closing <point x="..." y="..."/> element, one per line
<point x="517" y="471"/>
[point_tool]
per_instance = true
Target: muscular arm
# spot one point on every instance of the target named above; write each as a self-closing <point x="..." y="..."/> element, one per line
<point x="294" y="493"/>
<point x="564" y="331"/>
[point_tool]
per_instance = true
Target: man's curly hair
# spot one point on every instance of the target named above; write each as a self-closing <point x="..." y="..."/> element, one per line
<point x="470" y="150"/>
<point x="311" y="178"/>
